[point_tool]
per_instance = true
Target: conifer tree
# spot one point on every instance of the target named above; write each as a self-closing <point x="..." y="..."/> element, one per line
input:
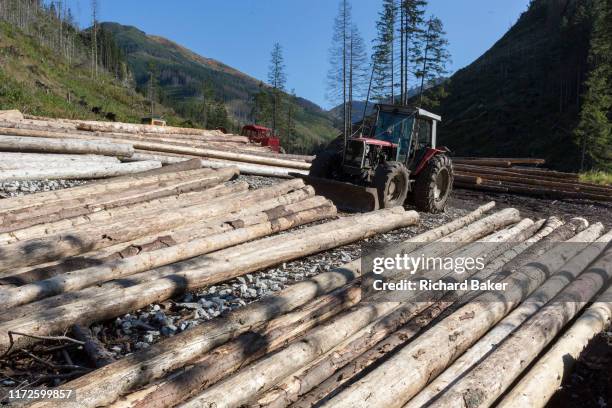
<point x="276" y="79"/>
<point x="434" y="57"/>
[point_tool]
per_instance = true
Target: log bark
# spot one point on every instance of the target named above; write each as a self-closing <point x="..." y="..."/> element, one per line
<point x="97" y="188"/>
<point x="98" y="355"/>
<point x="101" y="235"/>
<point x="206" y="270"/>
<point x="245" y="168"/>
<point x="71" y="146"/>
<point x="242" y="386"/>
<point x="228" y="358"/>
<point x="53" y="218"/>
<point x="72" y="281"/>
<point x="516" y="318"/>
<point x="87" y="172"/>
<point x="545" y="378"/>
<point x="486" y="382"/>
<point x="266" y="212"/>
<point x="518" y="172"/>
<point x="103" y="386"/>
<point x="398" y="379"/>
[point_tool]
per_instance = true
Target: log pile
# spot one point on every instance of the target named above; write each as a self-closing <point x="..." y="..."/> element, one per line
<point x="316" y="342"/>
<point x="72" y="149"/>
<point x="508" y="175"/>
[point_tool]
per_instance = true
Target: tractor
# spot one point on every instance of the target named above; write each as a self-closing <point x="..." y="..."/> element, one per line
<point x="393" y="157"/>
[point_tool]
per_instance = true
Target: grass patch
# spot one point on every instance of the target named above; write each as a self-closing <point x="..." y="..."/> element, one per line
<point x="597" y="177"/>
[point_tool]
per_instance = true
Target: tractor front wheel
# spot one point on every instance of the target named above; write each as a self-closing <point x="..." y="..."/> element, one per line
<point x="391" y="180"/>
<point x="434" y="184"/>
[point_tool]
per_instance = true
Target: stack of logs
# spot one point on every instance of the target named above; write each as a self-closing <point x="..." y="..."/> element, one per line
<point x="43" y="148"/>
<point x="508" y="175"/>
<point x="315" y="342"/>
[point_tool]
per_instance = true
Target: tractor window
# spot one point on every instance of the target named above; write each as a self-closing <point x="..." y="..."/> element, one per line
<point x="390" y="126"/>
<point x="424" y="133"/>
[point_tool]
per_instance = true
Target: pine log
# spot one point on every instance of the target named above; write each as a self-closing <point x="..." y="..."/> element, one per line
<point x="518" y="172"/>
<point x="516" y="318"/>
<point x="239" y="388"/>
<point x="519" y="160"/>
<point x="558" y="184"/>
<point x="12" y="114"/>
<point x="106" y="385"/>
<point x="398" y="379"/>
<point x="72" y="281"/>
<point x="7" y="158"/>
<point x="49" y="218"/>
<point x="269" y="211"/>
<point x="545" y="378"/>
<point x="79" y="172"/>
<point x="103" y="386"/>
<point x="102" y="187"/>
<point x="486" y="382"/>
<point x="335" y="383"/>
<point x="48" y="145"/>
<point x="484" y="162"/>
<point x="245" y="168"/>
<point x="466" y="178"/>
<point x="35" y="251"/>
<point x="228" y="358"/>
<point x="223" y="265"/>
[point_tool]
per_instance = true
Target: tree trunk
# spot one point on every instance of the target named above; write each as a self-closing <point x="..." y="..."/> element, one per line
<point x="544" y="379"/>
<point x="486" y="382"/>
<point x="228" y="358"/>
<point x="101" y="235"/>
<point x="398" y="379"/>
<point x="505" y="327"/>
<point x="71" y="146"/>
<point x="76" y="280"/>
<point x="81" y="172"/>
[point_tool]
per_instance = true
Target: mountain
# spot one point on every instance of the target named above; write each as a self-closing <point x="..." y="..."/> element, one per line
<point x="524" y="96"/>
<point x="182" y="75"/>
<point x="37" y="79"/>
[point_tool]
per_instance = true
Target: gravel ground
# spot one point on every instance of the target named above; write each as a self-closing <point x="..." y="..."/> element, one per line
<point x="17" y="188"/>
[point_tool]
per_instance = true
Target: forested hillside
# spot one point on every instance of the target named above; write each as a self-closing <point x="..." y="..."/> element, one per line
<point x="46" y="68"/>
<point x="202" y="89"/>
<point x="542" y="90"/>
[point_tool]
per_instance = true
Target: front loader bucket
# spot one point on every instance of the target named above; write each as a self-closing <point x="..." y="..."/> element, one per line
<point x="345" y="196"/>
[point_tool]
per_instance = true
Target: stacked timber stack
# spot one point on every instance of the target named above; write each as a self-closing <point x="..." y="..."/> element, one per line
<point x="133" y="143"/>
<point x="316" y="343"/>
<point x="511" y="175"/>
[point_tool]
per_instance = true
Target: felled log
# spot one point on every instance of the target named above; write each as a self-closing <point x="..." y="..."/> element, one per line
<point x="75" y="280"/>
<point x="11" y="161"/>
<point x="81" y="172"/>
<point x="519" y="171"/>
<point x="12" y="114"/>
<point x="398" y="379"/>
<point x="516" y="318"/>
<point x="514" y="161"/>
<point x="544" y="379"/>
<point x="486" y="382"/>
<point x="466" y="178"/>
<point x="180" y="193"/>
<point x="103" y="386"/>
<point x="221" y="266"/>
<point x="36" y="144"/>
<point x="484" y="162"/>
<point x="231" y="356"/>
<point x="268" y="211"/>
<point x="32" y="252"/>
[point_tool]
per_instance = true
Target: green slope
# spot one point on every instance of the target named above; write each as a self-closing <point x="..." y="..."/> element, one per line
<point x="181" y="74"/>
<point x="523" y="96"/>
<point x="35" y="80"/>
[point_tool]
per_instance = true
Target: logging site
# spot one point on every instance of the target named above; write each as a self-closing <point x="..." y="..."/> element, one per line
<point x="417" y="215"/>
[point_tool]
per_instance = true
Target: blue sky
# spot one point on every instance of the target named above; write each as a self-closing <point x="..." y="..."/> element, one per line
<point x="240" y="33"/>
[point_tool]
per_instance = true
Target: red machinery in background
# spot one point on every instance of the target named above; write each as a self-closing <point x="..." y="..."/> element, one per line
<point x="263" y="136"/>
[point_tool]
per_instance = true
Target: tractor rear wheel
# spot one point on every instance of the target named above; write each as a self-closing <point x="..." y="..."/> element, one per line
<point x="434" y="184"/>
<point x="391" y="180"/>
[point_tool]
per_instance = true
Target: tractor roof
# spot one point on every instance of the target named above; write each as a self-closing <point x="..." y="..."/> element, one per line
<point x="408" y="110"/>
<point x="257" y="127"/>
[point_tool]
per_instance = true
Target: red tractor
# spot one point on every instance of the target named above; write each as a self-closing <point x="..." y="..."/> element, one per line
<point x="393" y="159"/>
<point x="263" y="136"/>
